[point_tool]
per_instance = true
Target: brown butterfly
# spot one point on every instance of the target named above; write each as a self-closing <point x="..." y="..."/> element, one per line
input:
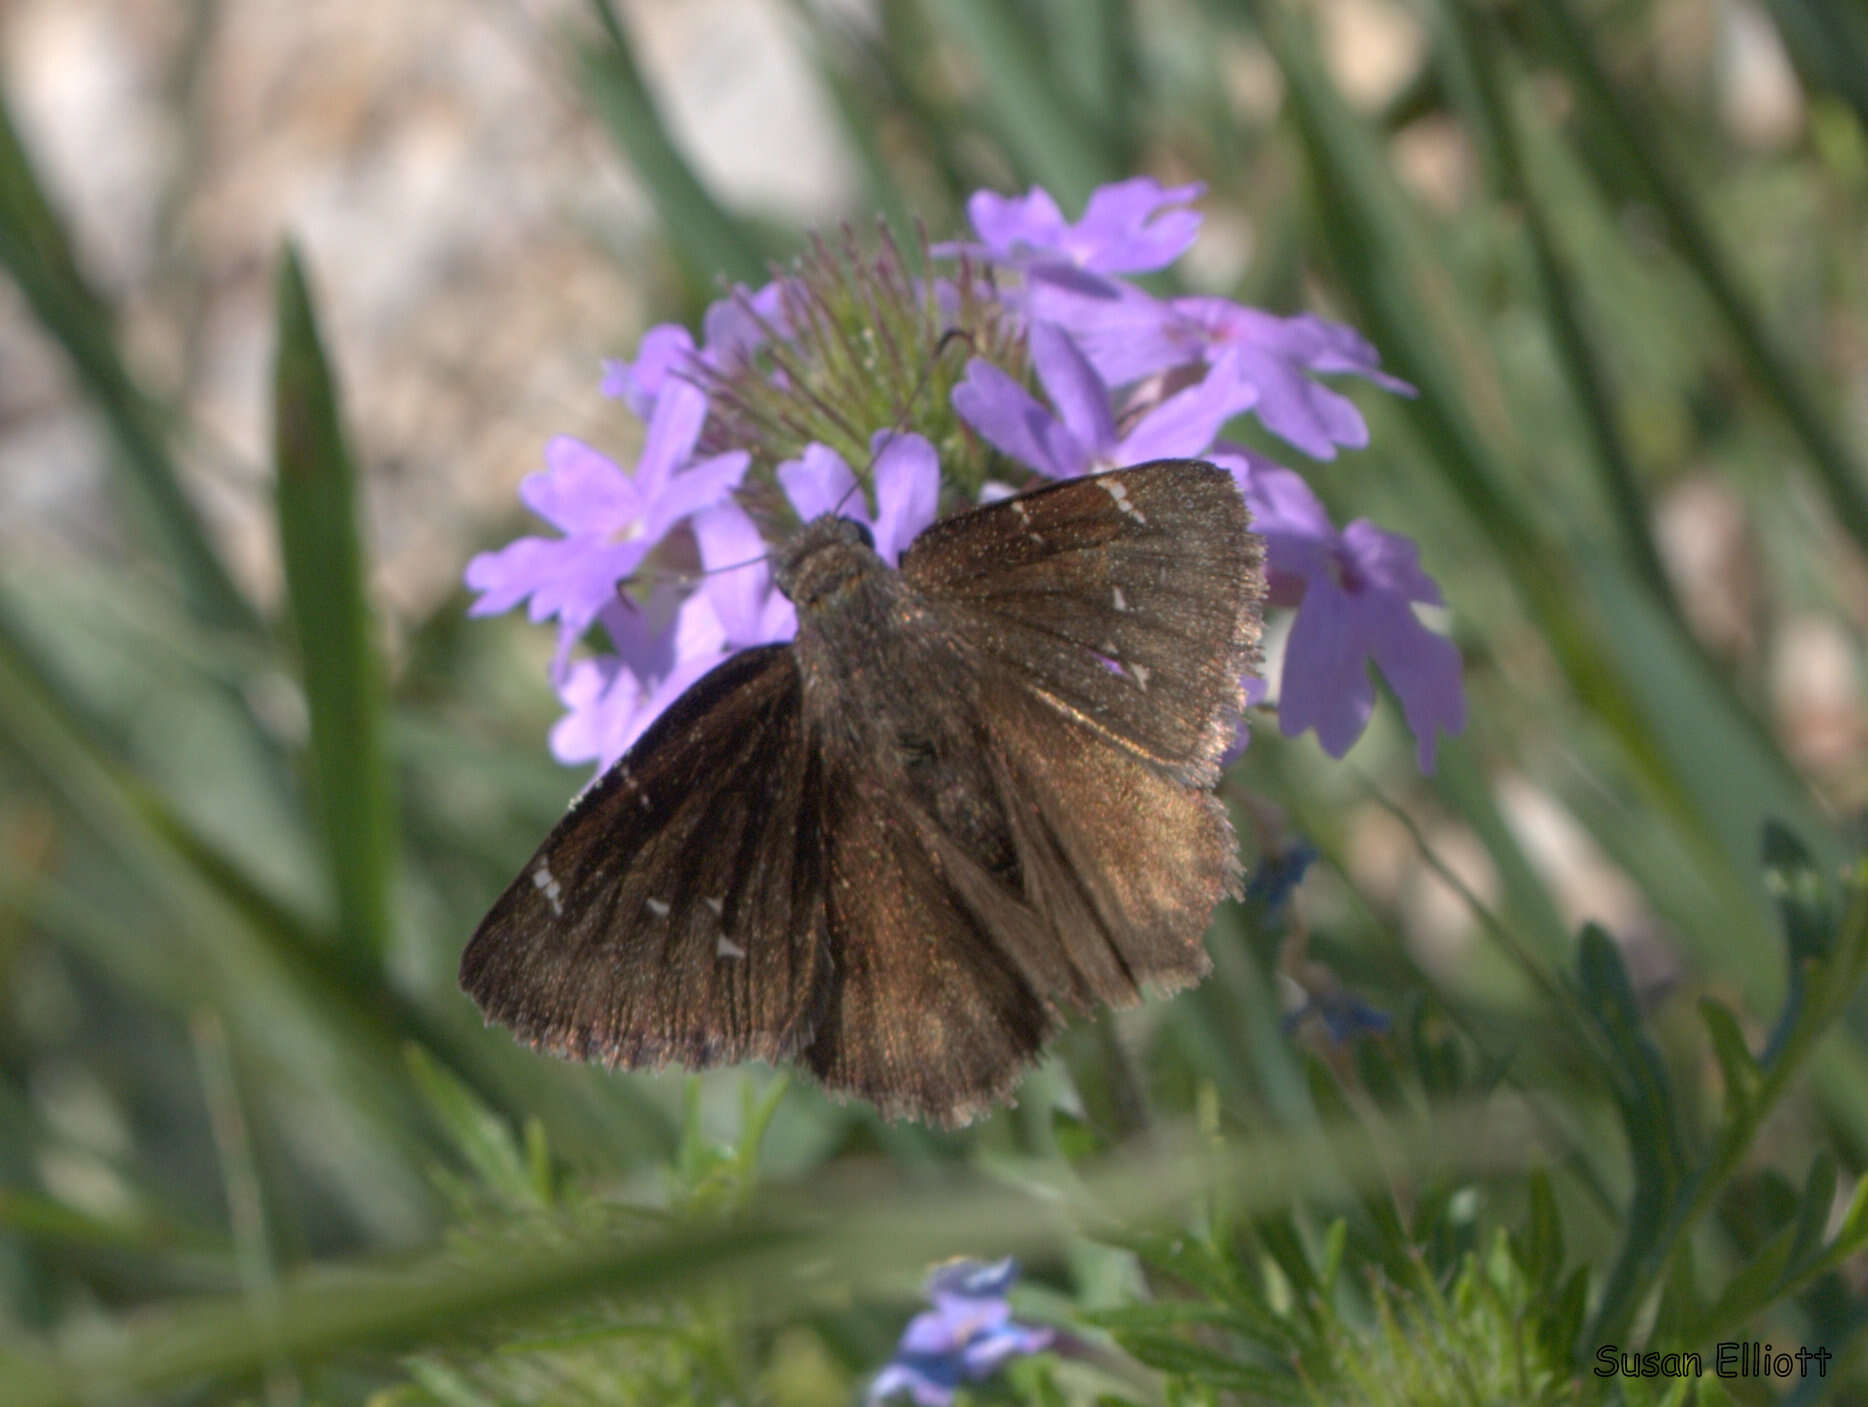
<point x="969" y="795"/>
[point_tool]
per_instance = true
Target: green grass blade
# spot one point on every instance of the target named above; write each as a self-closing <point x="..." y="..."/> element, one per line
<point x="325" y="585"/>
<point x="1476" y="44"/>
<point x="193" y="948"/>
<point x="1828" y="42"/>
<point x="1047" y="136"/>
<point x="1843" y="477"/>
<point x="37" y="253"/>
<point x="710" y="244"/>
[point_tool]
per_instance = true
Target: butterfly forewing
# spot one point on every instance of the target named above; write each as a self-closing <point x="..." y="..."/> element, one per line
<point x="677" y="912"/>
<point x="1132" y="598"/>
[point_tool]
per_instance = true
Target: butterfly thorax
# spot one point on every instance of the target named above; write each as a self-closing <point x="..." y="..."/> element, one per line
<point x="824" y="560"/>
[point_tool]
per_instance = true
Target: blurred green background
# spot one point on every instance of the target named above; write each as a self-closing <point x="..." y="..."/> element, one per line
<point x="259" y="777"/>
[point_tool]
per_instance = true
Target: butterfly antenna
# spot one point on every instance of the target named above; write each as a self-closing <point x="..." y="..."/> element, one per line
<point x="946" y="339"/>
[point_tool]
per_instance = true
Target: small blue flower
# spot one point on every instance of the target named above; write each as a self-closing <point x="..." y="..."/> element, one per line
<point x="966" y="1337"/>
<point x="1278" y="875"/>
<point x="1344" y="1015"/>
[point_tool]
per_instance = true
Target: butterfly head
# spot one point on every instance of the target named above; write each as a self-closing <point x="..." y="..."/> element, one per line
<point x="825" y="558"/>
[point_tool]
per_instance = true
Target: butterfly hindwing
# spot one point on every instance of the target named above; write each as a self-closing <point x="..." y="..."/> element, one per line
<point x="1129" y="883"/>
<point x="677" y="912"/>
<point x="933" y="1013"/>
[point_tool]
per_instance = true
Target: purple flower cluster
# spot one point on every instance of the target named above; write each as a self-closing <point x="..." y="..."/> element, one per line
<point x="1095" y="374"/>
<point x="967" y="1336"/>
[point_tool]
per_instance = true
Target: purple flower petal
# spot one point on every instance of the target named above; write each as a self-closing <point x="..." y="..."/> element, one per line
<point x="922" y="1385"/>
<point x="611" y="520"/>
<point x="739" y="579"/>
<point x="581" y="490"/>
<point x="969" y="1334"/>
<point x="1004" y="222"/>
<point x="508" y="576"/>
<point x="818" y="482"/>
<point x="1326" y="685"/>
<point x="674" y="429"/>
<point x="1012" y="421"/>
<point x="662" y="646"/>
<point x="1300" y="411"/>
<point x="600" y="698"/>
<point x="736" y="326"/>
<point x="664" y="348"/>
<point x="984" y="1354"/>
<point x="907" y="487"/>
<point x="1125" y="333"/>
<point x="1389" y="561"/>
<point x="704" y="483"/>
<point x="1081" y="398"/>
<point x="1357" y="609"/>
<point x="643" y="632"/>
<point x="1335" y="348"/>
<point x="1287" y="514"/>
<point x="1183" y="425"/>
<point x="907" y="478"/>
<point x="932" y="1331"/>
<point x="1120" y="232"/>
<point x="1275" y="353"/>
<point x="1355" y="593"/>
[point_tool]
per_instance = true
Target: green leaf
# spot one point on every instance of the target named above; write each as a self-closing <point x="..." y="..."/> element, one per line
<point x="1215" y="1369"/>
<point x="1736" y="1067"/>
<point x="1795" y="883"/>
<point x="319" y="540"/>
<point x="483" y="1138"/>
<point x="1543" y="1252"/>
<point x="1643" y="1089"/>
<point x="1569" y="1309"/>
<point x="1161" y="1315"/>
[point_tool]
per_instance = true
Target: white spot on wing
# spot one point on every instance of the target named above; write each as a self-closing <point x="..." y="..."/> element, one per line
<point x="727" y="948"/>
<point x="543" y="881"/>
<point x="1121" y="495"/>
<point x="656" y="907"/>
<point x="1122" y="602"/>
<point x="1024" y="521"/>
<point x="1140" y="673"/>
<point x="716" y="905"/>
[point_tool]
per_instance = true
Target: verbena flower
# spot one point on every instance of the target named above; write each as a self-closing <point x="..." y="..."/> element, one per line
<point x="1344" y="1016"/>
<point x="968" y="1335"/>
<point x="1124" y="230"/>
<point x="610" y="520"/>
<point x="1133" y="336"/>
<point x="1354" y="591"/>
<point x="1083" y="436"/>
<point x="855" y="384"/>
